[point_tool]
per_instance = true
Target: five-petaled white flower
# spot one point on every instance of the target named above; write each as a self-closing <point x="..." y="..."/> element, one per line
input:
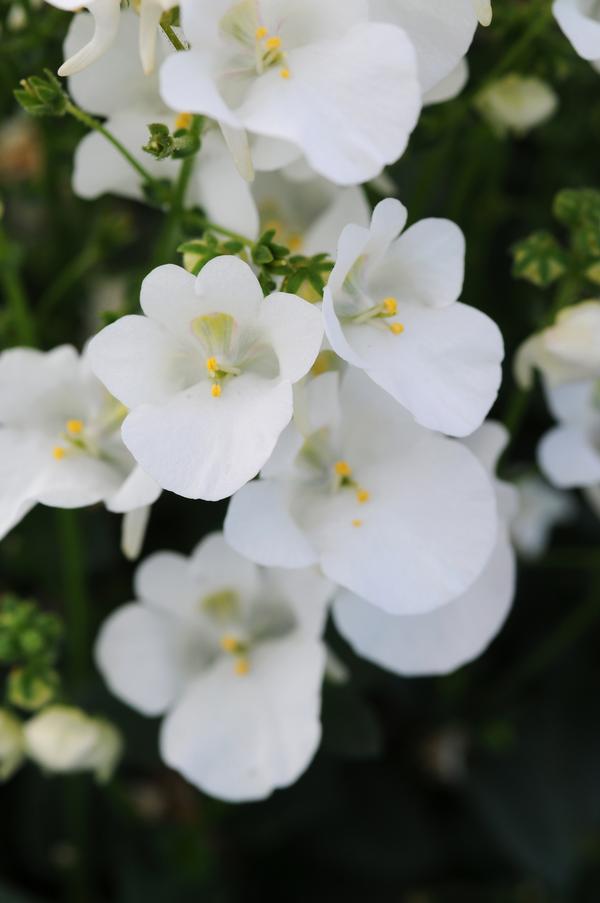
<point x="400" y="515"/>
<point x="107" y="19"/>
<point x="207" y="374"/>
<point x="232" y="655"/>
<point x="517" y="104"/>
<point x="59" y="438"/>
<point x="317" y="76"/>
<point x="391" y="309"/>
<point x="445" y="639"/>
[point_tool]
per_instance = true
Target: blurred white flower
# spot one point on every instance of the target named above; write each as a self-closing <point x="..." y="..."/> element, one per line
<point x="393" y="512"/>
<point x="106" y="16"/>
<point x="517" y="103"/>
<point x="232" y="655"/>
<point x="319" y="77"/>
<point x="569" y="454"/>
<point x="569" y="350"/>
<point x="207" y="373"/>
<point x="443" y="640"/>
<point x="580" y="22"/>
<point x="12" y="744"/>
<point x="391" y="309"/>
<point x="64" y="739"/>
<point x="540" y="509"/>
<point x="59" y="438"/>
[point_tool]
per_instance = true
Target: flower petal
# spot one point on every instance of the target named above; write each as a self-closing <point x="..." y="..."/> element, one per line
<point x="295" y="329"/>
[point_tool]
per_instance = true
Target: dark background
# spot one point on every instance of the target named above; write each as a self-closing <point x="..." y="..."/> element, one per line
<point x="482" y="786"/>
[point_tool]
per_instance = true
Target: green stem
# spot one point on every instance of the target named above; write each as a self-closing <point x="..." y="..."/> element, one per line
<point x="97" y="126"/>
<point x="15" y="294"/>
<point x="75" y="594"/>
<point x="169" y="238"/>
<point x="540" y="19"/>
<point x="175" y="41"/>
<point x="67" y="278"/>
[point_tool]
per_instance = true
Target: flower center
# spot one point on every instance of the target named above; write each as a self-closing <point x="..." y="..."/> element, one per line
<point x="265" y="50"/>
<point x="73" y="439"/>
<point x="381" y="313"/>
<point x="239" y="650"/>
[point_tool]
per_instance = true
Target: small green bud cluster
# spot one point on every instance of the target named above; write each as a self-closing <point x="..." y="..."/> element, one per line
<point x="29" y="645"/>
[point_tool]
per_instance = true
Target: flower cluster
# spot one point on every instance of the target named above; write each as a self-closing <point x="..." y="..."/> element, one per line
<point x="302" y="340"/>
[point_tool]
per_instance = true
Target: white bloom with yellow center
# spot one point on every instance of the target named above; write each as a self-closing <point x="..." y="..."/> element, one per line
<point x="106" y="16"/>
<point x="207" y="374"/>
<point x="517" y="103"/>
<point x="63" y="739"/>
<point x="232" y="655"/>
<point x="395" y="513"/>
<point x="443" y="640"/>
<point x="59" y="438"/>
<point x="12" y="744"/>
<point x="318" y="77"/>
<point x="391" y="309"/>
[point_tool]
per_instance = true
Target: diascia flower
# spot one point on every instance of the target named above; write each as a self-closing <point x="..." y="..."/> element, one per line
<point x="63" y="739"/>
<point x="207" y="374"/>
<point x="107" y="19"/>
<point x="232" y="655"/>
<point x="316" y="76"/>
<point x="566" y="351"/>
<point x="59" y="438"/>
<point x="390" y="308"/>
<point x="395" y="513"/>
<point x="445" y="639"/>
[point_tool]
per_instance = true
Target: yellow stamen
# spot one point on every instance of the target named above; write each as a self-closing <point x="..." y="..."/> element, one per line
<point x="58" y="453"/>
<point x="390" y="306"/>
<point x="357" y="523"/>
<point x="229" y="643"/>
<point x="285" y="73"/>
<point x="215" y="390"/>
<point x="342" y="469"/>
<point x="294" y="242"/>
<point x="273" y="43"/>
<point x="261" y="32"/>
<point x="212" y="365"/>
<point x="397" y="328"/>
<point x="363" y="496"/>
<point x="183" y="121"/>
<point x="74" y="427"/>
<point x="241" y="667"/>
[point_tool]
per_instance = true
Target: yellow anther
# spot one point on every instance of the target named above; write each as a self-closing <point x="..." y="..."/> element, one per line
<point x="74" y="427"/>
<point x="273" y="43"/>
<point x="357" y="522"/>
<point x="362" y="495"/>
<point x="58" y="453"/>
<point x="212" y="365"/>
<point x="285" y="73"/>
<point x="342" y="469"/>
<point x="397" y="328"/>
<point x="390" y="306"/>
<point x="229" y="643"/>
<point x="241" y="667"/>
<point x="215" y="390"/>
<point x="261" y="32"/>
<point x="294" y="242"/>
<point x="183" y="121"/>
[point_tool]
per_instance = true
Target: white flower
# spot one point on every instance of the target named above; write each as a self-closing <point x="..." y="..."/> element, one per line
<point x="580" y="22"/>
<point x="390" y="308"/>
<point x="569" y="454"/>
<point x="106" y="15"/>
<point x="569" y="350"/>
<point x="232" y="655"/>
<point x="441" y="32"/>
<point x="517" y="104"/>
<point x="59" y="439"/>
<point x="540" y="508"/>
<point x="12" y="744"/>
<point x="64" y="739"/>
<point x="443" y="640"/>
<point x="399" y="515"/>
<point x="317" y="76"/>
<point x="207" y="373"/>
